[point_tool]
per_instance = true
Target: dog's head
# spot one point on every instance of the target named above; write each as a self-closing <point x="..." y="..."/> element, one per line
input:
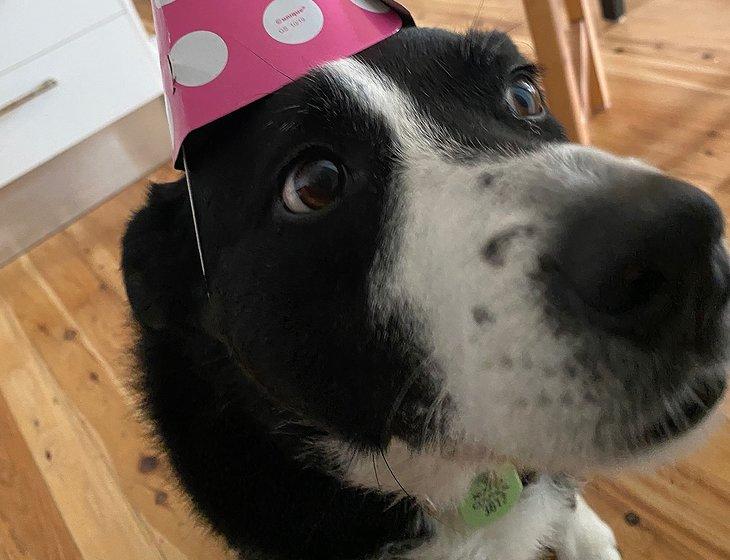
<point x="402" y="246"/>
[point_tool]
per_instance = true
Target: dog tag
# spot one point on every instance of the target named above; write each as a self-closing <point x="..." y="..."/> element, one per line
<point x="491" y="495"/>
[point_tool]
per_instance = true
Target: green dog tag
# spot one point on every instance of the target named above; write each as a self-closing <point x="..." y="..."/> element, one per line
<point x="491" y="494"/>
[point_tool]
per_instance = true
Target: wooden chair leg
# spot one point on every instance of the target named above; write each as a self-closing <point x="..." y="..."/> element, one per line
<point x="549" y="26"/>
<point x="590" y="65"/>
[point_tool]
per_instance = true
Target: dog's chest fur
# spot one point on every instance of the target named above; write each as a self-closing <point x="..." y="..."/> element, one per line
<point x="439" y="484"/>
<point x="526" y="532"/>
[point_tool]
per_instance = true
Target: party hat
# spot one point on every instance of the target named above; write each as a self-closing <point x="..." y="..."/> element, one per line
<point x="219" y="56"/>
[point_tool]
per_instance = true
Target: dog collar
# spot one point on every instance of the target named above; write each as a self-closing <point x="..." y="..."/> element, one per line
<point x="215" y="60"/>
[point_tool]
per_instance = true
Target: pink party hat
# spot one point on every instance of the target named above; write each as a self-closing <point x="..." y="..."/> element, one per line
<point x="217" y="57"/>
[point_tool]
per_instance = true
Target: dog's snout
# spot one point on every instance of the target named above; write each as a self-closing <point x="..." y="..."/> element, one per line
<point x="643" y="254"/>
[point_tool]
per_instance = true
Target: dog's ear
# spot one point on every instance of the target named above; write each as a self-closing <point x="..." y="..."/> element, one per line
<point x="159" y="259"/>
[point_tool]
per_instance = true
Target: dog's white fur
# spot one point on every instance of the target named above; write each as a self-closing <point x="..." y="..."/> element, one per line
<point x="541" y="519"/>
<point x="505" y="373"/>
<point x="508" y="374"/>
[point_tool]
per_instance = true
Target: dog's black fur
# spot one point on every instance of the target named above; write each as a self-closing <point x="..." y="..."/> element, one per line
<point x="285" y="351"/>
<point x="286" y="338"/>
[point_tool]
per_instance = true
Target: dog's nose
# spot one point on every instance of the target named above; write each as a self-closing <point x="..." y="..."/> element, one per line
<point x="644" y="254"/>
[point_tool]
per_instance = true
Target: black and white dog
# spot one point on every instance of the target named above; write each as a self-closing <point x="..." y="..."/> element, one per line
<point x="413" y="275"/>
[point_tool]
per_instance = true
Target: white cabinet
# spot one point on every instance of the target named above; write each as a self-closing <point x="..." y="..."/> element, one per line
<point x="77" y="78"/>
<point x="31" y="27"/>
<point x="93" y="88"/>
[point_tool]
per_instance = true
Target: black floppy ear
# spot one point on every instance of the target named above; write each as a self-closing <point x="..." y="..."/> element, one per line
<point x="160" y="262"/>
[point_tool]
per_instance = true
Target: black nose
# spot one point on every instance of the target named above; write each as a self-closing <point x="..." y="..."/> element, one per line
<point x="643" y="255"/>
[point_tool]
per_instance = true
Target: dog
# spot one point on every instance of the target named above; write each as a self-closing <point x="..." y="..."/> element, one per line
<point x="410" y="276"/>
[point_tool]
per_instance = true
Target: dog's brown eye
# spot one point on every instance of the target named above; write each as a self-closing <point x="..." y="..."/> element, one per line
<point x="312" y="186"/>
<point x="524" y="98"/>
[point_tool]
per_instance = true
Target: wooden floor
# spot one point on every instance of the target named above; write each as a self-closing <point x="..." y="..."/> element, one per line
<point x="78" y="479"/>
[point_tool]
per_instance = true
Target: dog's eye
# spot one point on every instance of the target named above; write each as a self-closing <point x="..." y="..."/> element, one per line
<point x="312" y="185"/>
<point x="524" y="98"/>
